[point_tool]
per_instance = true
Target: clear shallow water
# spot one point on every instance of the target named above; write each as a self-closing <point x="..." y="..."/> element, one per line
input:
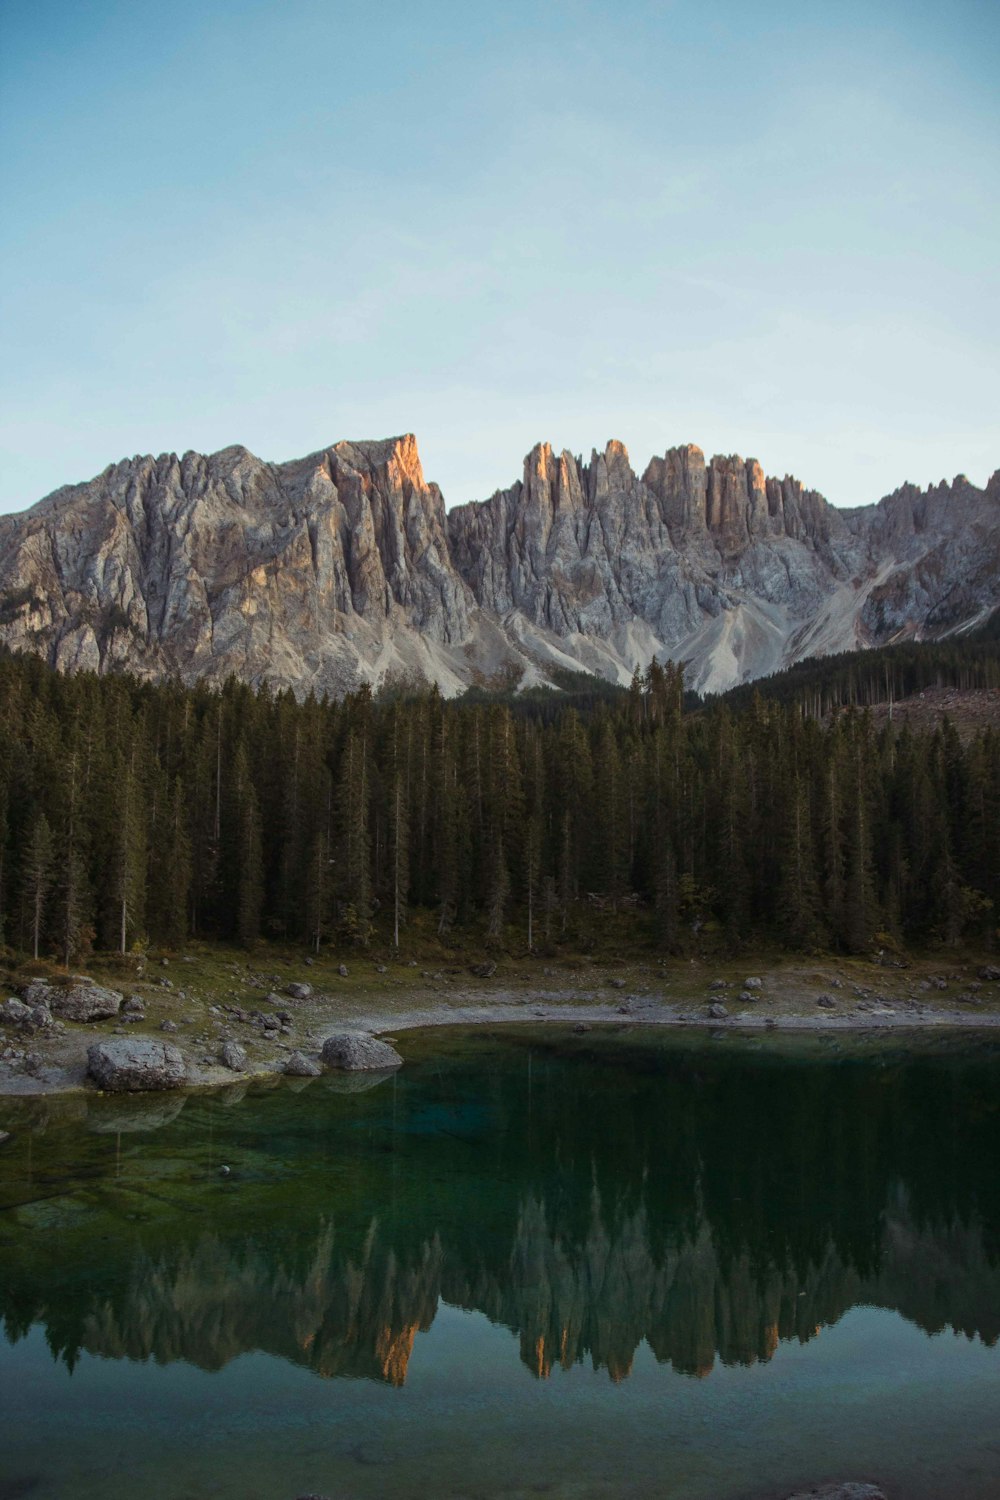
<point x="617" y="1264"/>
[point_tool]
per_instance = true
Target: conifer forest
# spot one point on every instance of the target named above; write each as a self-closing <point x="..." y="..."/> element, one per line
<point x="133" y="813"/>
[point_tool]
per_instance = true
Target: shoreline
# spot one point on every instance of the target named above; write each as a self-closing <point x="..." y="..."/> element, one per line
<point x="63" y="1070"/>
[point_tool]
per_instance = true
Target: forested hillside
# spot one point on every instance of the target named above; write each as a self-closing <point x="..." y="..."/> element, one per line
<point x="884" y="674"/>
<point x="131" y="812"/>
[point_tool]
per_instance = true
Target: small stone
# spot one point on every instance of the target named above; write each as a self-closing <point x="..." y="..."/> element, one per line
<point x="380" y="968"/>
<point x="617" y="984"/>
<point x="342" y="970"/>
<point x="748" y="997"/>
<point x="169" y="1026"/>
<point x="135" y="1007"/>
<point x="581" y="1026"/>
<point x="850" y="1489"/>
<point x="753" y="984"/>
<point x="827" y="1001"/>
<point x="225" y="1171"/>
<point x="310" y="962"/>
<point x="5" y="1136"/>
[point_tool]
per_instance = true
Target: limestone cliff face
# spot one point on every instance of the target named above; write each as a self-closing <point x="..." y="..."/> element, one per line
<point x="343" y="567"/>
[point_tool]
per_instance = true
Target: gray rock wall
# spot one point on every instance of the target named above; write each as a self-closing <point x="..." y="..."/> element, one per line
<point x="343" y="567"/>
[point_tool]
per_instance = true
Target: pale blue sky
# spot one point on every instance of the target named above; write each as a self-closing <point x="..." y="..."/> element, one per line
<point x="767" y="228"/>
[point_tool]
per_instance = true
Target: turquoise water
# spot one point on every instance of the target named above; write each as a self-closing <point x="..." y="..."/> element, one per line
<point x="531" y="1263"/>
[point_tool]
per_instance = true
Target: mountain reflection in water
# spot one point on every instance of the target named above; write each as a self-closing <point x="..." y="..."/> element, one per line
<point x="587" y="1193"/>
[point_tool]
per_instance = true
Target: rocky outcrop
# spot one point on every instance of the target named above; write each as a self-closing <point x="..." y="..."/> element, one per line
<point x="126" y="1065"/>
<point x="343" y="567"/>
<point x="80" y="1001"/>
<point x="356" y="1051"/>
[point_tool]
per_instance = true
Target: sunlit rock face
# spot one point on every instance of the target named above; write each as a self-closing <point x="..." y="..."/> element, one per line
<point x="343" y="567"/>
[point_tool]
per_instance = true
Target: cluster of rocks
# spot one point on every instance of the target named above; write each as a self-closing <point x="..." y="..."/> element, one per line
<point x="751" y="991"/>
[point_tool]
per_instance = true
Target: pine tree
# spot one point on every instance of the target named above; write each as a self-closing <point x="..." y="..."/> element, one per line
<point x="355" y="892"/>
<point x="36" y="875"/>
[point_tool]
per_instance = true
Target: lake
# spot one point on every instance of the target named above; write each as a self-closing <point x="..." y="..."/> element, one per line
<point x="619" y="1263"/>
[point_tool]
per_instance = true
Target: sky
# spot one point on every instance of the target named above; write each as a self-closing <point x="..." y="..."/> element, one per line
<point x="769" y="227"/>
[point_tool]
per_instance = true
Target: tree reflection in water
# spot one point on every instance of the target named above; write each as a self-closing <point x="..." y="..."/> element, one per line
<point x="587" y="1193"/>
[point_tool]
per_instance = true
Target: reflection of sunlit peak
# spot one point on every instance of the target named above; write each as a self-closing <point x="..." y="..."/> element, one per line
<point x="393" y="1351"/>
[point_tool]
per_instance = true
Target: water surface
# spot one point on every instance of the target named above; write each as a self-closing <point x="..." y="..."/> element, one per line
<point x="531" y="1263"/>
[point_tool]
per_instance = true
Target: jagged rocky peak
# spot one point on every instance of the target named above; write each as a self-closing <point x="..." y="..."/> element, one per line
<point x="344" y="566"/>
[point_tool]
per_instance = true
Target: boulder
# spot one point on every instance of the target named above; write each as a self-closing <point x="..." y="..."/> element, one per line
<point x="28" y="1017"/>
<point x="233" y="1056"/>
<point x="169" y="1025"/>
<point x="717" y="1011"/>
<point x="753" y="984"/>
<point x="126" y="1065"/>
<point x="989" y="971"/>
<point x="356" y="1051"/>
<point x="298" y="991"/>
<point x="342" y="970"/>
<point x="827" y="1001"/>
<point x="300" y="1066"/>
<point x="80" y="1001"/>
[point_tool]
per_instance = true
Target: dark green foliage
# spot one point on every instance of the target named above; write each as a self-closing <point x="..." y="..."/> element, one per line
<point x="131" y="812"/>
<point x="861" y="679"/>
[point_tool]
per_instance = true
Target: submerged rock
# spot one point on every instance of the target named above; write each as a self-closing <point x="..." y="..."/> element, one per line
<point x="126" y="1065"/>
<point x="132" y="1116"/>
<point x="851" y="1489"/>
<point x="355" y="1051"/>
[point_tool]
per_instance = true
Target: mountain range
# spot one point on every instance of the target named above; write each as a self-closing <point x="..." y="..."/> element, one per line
<point x="345" y="567"/>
